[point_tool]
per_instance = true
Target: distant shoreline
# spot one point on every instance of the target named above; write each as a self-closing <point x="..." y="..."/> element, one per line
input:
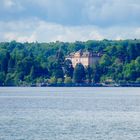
<point x="78" y="85"/>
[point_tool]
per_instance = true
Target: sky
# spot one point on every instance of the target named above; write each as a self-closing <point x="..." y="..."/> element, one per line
<point x="69" y="20"/>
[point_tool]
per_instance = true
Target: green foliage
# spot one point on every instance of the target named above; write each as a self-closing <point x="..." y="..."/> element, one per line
<point x="2" y="78"/>
<point x="24" y="64"/>
<point x="89" y="74"/>
<point x="138" y="80"/>
<point x="79" y="73"/>
<point x="10" y="80"/>
<point x="57" y="70"/>
<point x="105" y="60"/>
<point x="52" y="80"/>
<point x="97" y="72"/>
<point x="59" y="81"/>
<point x="68" y="68"/>
<point x="68" y="80"/>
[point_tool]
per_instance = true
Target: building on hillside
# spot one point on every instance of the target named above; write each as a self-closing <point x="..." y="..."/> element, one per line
<point x="85" y="58"/>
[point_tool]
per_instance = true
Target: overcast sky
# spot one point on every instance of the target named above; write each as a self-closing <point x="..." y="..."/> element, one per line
<point x="69" y="20"/>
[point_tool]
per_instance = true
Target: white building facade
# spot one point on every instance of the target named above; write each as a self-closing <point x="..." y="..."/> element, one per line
<point x="85" y="58"/>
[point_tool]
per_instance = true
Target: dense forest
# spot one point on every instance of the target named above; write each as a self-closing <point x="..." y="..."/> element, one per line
<point x="35" y="64"/>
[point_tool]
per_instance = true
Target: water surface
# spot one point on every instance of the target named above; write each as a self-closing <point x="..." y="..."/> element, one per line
<point x="69" y="113"/>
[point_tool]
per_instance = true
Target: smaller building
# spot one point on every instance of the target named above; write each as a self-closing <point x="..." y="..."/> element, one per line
<point x="86" y="58"/>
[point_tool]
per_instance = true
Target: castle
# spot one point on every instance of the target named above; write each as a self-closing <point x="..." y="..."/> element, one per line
<point x="86" y="58"/>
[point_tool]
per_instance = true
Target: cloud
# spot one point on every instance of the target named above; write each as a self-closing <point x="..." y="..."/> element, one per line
<point x="113" y="12"/>
<point x="8" y="3"/>
<point x="42" y="31"/>
<point x="50" y="20"/>
<point x="38" y="30"/>
<point x="12" y="6"/>
<point x="103" y="13"/>
<point x="9" y="36"/>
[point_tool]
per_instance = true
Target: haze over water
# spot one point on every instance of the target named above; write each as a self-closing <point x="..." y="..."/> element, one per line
<point x="69" y="113"/>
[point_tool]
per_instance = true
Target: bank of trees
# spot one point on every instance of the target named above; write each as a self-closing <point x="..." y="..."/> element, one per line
<point x="23" y="64"/>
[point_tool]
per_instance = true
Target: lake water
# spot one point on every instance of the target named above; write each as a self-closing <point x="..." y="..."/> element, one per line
<point x="69" y="113"/>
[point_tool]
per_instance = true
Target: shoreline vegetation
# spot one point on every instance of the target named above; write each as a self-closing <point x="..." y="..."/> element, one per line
<point x="45" y="64"/>
<point x="77" y="85"/>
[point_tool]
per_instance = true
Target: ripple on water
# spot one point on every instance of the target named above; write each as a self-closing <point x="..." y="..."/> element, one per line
<point x="70" y="117"/>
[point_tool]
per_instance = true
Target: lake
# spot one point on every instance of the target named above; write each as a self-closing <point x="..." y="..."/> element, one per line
<point x="50" y="113"/>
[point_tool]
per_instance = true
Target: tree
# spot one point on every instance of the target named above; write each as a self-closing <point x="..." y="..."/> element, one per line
<point x="57" y="70"/>
<point x="59" y="81"/>
<point x="58" y="73"/>
<point x="68" y="80"/>
<point x="68" y="68"/>
<point x="121" y="53"/>
<point x="32" y="73"/>
<point x="132" y="52"/>
<point x="9" y="81"/>
<point x="89" y="74"/>
<point x="22" y="63"/>
<point x="2" y="78"/>
<point x="4" y="58"/>
<point x="111" y="50"/>
<point x="11" y="65"/>
<point x="52" y="80"/>
<point x="60" y="56"/>
<point x="79" y="73"/>
<point x="129" y="72"/>
<point x="137" y="66"/>
<point x="97" y="72"/>
<point x="105" y="60"/>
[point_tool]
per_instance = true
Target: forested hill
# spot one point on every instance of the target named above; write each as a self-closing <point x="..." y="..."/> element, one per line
<point x="25" y="64"/>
